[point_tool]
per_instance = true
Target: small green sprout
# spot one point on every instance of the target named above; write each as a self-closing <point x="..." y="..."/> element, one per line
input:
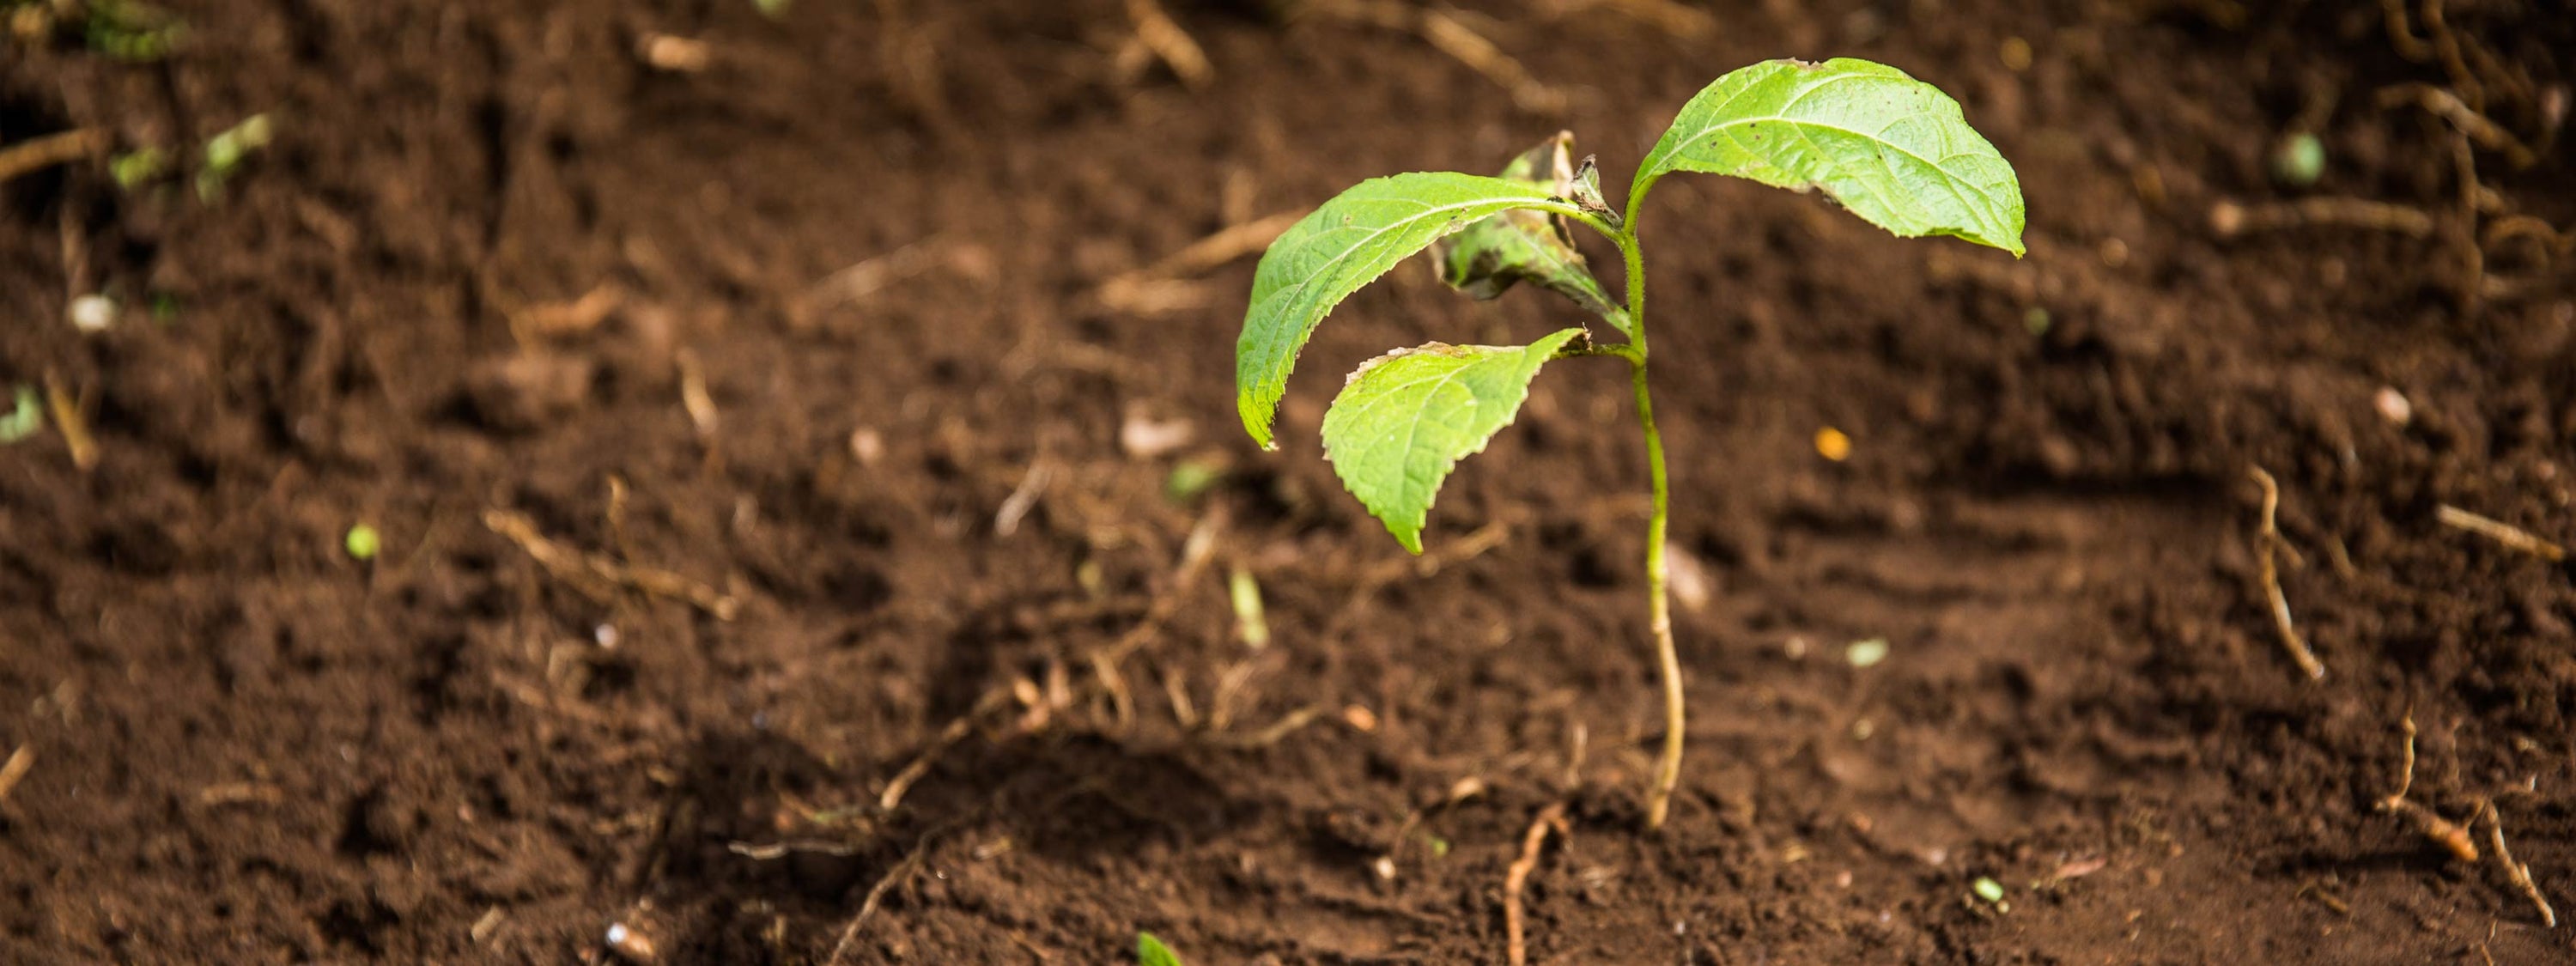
<point x="1191" y="478"/>
<point x="26" y="418"/>
<point x="1151" y="952"/>
<point x="363" y="542"/>
<point x="2299" y="160"/>
<point x="133" y="32"/>
<point x="1988" y="889"/>
<point x="134" y="169"/>
<point x="1891" y="149"/>
<point x="224" y="154"/>
<point x="1249" y="619"/>
<point x="772" y="9"/>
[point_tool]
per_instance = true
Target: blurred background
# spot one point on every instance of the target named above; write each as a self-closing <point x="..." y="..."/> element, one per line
<point x="756" y="481"/>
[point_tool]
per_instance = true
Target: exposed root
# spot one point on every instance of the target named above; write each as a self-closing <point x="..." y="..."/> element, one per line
<point x="37" y="154"/>
<point x="1195" y="552"/>
<point x="956" y="731"/>
<point x="15" y="770"/>
<point x="2229" y="219"/>
<point x="1688" y="23"/>
<point x="74" y="424"/>
<point x="600" y="577"/>
<point x="1289" y="724"/>
<point x="901" y="872"/>
<point x="2451" y="836"/>
<point x="1023" y="498"/>
<point x="865" y="278"/>
<point x="1170" y="44"/>
<point x="1515" y="944"/>
<point x="2510" y="536"/>
<point x="694" y="398"/>
<point x="1167" y="285"/>
<point x="2449" y="107"/>
<point x="2271" y="543"/>
<point x="2517" y="873"/>
<point x="1450" y="35"/>
<point x="554" y="319"/>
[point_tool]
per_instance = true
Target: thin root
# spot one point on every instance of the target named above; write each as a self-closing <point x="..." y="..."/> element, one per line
<point x="1462" y="43"/>
<point x="599" y="576"/>
<point x="15" y="770"/>
<point x="37" y="154"/>
<point x="1515" y="944"/>
<point x="2269" y="537"/>
<point x="73" y="423"/>
<point x="956" y="731"/>
<point x="1289" y="724"/>
<point x="902" y="870"/>
<point x="2448" y="106"/>
<point x="1170" y="44"/>
<point x="1168" y="285"/>
<point x="2451" y="836"/>
<point x="2518" y="873"/>
<point x="2499" y="531"/>
<point x="2229" y="219"/>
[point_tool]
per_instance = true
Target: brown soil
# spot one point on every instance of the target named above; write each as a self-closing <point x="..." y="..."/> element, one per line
<point x="241" y="745"/>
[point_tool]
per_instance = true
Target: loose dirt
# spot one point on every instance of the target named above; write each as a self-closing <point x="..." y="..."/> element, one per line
<point x="760" y="349"/>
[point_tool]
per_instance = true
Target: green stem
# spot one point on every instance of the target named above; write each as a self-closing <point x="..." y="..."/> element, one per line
<point x="1659" y="605"/>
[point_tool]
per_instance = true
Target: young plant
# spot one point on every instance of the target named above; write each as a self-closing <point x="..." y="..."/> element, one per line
<point x="1891" y="149"/>
<point x="1151" y="952"/>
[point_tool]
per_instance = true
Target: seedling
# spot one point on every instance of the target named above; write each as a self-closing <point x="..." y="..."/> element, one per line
<point x="225" y="153"/>
<point x="1151" y="952"/>
<point x="1891" y="149"/>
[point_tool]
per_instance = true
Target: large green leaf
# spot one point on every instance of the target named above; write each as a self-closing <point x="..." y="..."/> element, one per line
<point x="1529" y="245"/>
<point x="1344" y="245"/>
<point x="1406" y="418"/>
<point x="1894" y="150"/>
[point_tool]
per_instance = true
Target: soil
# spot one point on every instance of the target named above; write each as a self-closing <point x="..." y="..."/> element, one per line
<point x="808" y="348"/>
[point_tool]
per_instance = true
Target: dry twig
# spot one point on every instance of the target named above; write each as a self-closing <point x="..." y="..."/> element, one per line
<point x="2271" y="543"/>
<point x="1515" y="945"/>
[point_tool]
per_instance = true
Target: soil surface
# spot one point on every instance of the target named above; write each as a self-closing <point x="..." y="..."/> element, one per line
<point x="754" y="408"/>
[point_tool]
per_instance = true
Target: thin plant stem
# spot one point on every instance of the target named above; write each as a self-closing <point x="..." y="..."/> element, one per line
<point x="1659" y="602"/>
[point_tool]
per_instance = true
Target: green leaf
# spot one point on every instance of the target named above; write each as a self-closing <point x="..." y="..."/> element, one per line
<point x="1344" y="245"/>
<point x="1151" y="952"/>
<point x="1406" y="418"/>
<point x="1894" y="150"/>
<point x="1528" y="245"/>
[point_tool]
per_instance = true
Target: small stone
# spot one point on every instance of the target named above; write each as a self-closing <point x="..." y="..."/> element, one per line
<point x="2392" y="405"/>
<point x="93" y="313"/>
<point x="1833" y="444"/>
<point x="1866" y="653"/>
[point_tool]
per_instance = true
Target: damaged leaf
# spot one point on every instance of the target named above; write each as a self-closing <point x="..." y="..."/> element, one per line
<point x="1527" y="245"/>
